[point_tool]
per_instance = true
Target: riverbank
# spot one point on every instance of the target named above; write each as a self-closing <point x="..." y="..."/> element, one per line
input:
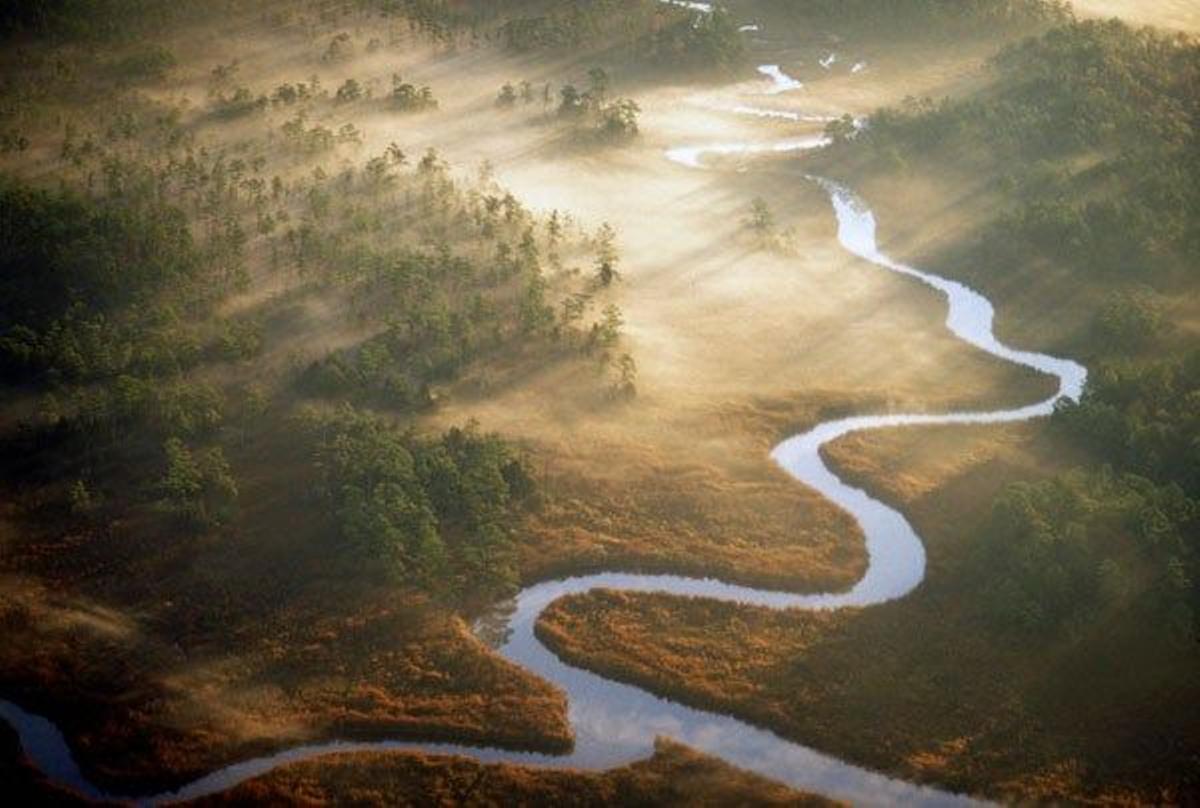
<point x="675" y="775"/>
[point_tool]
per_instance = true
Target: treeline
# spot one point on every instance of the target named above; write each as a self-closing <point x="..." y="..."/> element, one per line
<point x="438" y="19"/>
<point x="1141" y="417"/>
<point x="926" y="18"/>
<point x="1120" y="538"/>
<point x="70" y="265"/>
<point x="105" y="308"/>
<point x="659" y="34"/>
<point x="102" y="297"/>
<point x="435" y="513"/>
<point x="92" y="287"/>
<point x="101" y="19"/>
<point x="650" y="31"/>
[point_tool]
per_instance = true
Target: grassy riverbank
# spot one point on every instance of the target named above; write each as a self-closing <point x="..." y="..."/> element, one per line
<point x="675" y="775"/>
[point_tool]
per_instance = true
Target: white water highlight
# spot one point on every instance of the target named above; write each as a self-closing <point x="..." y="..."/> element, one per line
<point x="780" y="82"/>
<point x="783" y="114"/>
<point x="693" y="156"/>
<point x="703" y="8"/>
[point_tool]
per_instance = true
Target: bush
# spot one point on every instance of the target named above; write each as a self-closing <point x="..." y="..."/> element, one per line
<point x="238" y="103"/>
<point x="410" y="98"/>
<point x="350" y="91"/>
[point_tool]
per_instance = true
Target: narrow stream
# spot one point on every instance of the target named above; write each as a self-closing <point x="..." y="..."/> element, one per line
<point x="616" y="723"/>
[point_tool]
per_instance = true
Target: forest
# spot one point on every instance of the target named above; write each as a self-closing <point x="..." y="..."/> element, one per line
<point x="937" y="19"/>
<point x="648" y="31"/>
<point x="1098" y="121"/>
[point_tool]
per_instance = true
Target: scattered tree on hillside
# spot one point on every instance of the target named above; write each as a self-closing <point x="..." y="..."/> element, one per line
<point x="507" y="97"/>
<point x="349" y="92"/>
<point x="761" y="221"/>
<point x="606" y="255"/>
<point x="408" y="97"/>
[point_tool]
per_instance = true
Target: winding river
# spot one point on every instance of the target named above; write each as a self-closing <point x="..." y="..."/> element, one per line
<point x="615" y="723"/>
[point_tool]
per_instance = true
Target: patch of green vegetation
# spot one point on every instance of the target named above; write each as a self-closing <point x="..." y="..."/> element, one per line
<point x="1069" y="552"/>
<point x="408" y="97"/>
<point x="437" y="514"/>
<point x="197" y="487"/>
<point x="1121" y="535"/>
<point x="592" y="116"/>
<point x="1142" y="417"/>
<point x="609" y="120"/>
<point x="473" y="285"/>
<point x="80" y="279"/>
<point x="63" y="251"/>
<point x="675" y="37"/>
<point x="150" y="63"/>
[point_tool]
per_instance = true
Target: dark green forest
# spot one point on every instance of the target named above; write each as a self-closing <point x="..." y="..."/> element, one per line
<point x="99" y="19"/>
<point x="435" y="513"/>
<point x="1098" y="123"/>
<point x="647" y="31"/>
<point x="923" y="19"/>
<point x="653" y="33"/>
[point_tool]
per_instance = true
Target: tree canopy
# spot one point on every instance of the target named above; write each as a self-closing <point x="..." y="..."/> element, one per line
<point x="436" y="513"/>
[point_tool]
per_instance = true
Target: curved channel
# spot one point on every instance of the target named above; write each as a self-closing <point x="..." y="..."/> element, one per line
<point x="615" y="723"/>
